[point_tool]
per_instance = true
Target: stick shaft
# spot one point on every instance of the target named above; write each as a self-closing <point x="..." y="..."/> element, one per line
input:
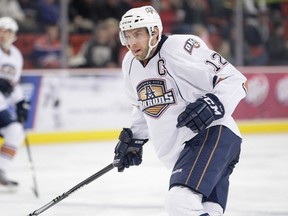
<point x="76" y="187"/>
<point x="35" y="188"/>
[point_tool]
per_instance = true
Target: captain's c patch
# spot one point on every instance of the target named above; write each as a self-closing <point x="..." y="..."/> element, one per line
<point x="154" y="98"/>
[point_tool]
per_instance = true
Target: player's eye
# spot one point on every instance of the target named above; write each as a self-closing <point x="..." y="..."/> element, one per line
<point x="127" y="37"/>
<point x="137" y="35"/>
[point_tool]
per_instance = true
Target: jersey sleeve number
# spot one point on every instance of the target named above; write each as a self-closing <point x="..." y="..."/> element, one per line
<point x="217" y="62"/>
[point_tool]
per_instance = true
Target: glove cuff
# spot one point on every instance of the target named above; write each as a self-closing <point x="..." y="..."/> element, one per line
<point x="137" y="142"/>
<point x="214" y="104"/>
<point x="126" y="135"/>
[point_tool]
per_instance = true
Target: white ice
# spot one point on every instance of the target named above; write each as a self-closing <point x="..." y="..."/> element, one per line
<point x="259" y="184"/>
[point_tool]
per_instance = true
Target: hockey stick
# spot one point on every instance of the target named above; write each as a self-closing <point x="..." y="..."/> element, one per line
<point x="35" y="188"/>
<point x="76" y="187"/>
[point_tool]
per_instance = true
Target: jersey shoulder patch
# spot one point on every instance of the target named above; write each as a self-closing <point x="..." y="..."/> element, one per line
<point x="190" y="44"/>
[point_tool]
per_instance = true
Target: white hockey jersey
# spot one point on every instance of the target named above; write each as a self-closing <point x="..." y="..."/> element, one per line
<point x="11" y="65"/>
<point x="182" y="70"/>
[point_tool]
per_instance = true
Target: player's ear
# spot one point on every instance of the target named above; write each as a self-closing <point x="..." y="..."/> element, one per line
<point x="155" y="33"/>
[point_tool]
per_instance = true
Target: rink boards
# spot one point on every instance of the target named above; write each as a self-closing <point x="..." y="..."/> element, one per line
<point x="90" y="104"/>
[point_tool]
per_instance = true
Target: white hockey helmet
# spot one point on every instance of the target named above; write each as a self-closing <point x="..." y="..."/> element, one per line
<point x="145" y="16"/>
<point x="8" y="23"/>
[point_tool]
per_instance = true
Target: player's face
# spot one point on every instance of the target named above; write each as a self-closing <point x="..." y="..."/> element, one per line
<point x="138" y="40"/>
<point x="5" y="36"/>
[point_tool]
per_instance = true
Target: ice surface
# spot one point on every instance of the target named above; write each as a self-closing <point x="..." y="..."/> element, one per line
<point x="259" y="184"/>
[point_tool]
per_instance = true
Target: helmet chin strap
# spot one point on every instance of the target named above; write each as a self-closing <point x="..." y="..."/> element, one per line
<point x="151" y="47"/>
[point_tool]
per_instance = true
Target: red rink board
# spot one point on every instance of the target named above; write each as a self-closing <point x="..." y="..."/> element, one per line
<point x="267" y="96"/>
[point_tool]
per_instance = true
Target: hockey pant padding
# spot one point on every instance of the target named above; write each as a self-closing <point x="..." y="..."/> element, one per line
<point x="181" y="201"/>
<point x="213" y="209"/>
<point x="13" y="135"/>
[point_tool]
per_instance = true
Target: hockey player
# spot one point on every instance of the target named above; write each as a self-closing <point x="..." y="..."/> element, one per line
<point x="183" y="95"/>
<point x="13" y="108"/>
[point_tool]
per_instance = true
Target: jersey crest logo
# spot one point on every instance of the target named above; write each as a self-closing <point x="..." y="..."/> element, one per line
<point x="162" y="70"/>
<point x="190" y="44"/>
<point x="8" y="71"/>
<point x="154" y="98"/>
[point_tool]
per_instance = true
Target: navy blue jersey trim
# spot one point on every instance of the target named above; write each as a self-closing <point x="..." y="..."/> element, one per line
<point x="131" y="66"/>
<point x="215" y="81"/>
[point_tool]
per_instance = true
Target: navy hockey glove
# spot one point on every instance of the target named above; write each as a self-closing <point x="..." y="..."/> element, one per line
<point x="22" y="110"/>
<point x="200" y="114"/>
<point x="128" y="151"/>
<point x="5" y="87"/>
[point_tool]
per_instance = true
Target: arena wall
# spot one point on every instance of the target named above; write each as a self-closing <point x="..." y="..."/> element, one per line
<point x="90" y="104"/>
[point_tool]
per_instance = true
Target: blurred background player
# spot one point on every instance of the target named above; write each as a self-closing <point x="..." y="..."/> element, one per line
<point x="13" y="108"/>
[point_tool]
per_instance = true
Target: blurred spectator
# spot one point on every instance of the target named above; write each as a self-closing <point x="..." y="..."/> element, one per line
<point x="189" y="13"/>
<point x="168" y="14"/>
<point x="178" y="16"/>
<point x="114" y="41"/>
<point x="221" y="15"/>
<point x="277" y="46"/>
<point x="48" y="12"/>
<point x="29" y="8"/>
<point x="202" y="32"/>
<point x="83" y="15"/>
<point x="98" y="52"/>
<point x="257" y="53"/>
<point x="47" y="49"/>
<point x="254" y="7"/>
<point x="196" y="11"/>
<point x="12" y="9"/>
<point x="220" y="44"/>
<point x="113" y="9"/>
<point x="255" y="32"/>
<point x="112" y="25"/>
